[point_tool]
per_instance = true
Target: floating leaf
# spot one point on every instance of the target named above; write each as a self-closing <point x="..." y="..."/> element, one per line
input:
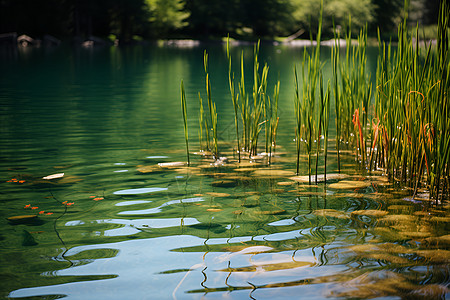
<point x="218" y="194"/>
<point x="25" y="219"/>
<point x="53" y="176"/>
<point x="320" y="178"/>
<point x="148" y="169"/>
<point x="348" y="184"/>
<point x="284" y="183"/>
<point x="273" y="173"/>
<point x="175" y="164"/>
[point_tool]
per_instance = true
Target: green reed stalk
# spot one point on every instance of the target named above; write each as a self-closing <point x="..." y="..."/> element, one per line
<point x="201" y="120"/>
<point x="320" y="123"/>
<point x="273" y="119"/>
<point x="337" y="99"/>
<point x="234" y="98"/>
<point x="326" y="120"/>
<point x="298" y="119"/>
<point x="184" y="112"/>
<point x="211" y="106"/>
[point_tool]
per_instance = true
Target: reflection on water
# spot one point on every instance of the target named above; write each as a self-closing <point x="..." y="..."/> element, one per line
<point x="124" y="222"/>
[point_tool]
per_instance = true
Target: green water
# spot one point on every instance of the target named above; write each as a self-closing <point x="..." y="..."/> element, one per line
<point x="116" y="225"/>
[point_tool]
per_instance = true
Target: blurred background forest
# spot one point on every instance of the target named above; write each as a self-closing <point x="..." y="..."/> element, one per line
<point x="136" y="20"/>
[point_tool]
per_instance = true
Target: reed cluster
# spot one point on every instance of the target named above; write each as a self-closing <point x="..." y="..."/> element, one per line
<point x="411" y="123"/>
<point x="406" y="132"/>
<point x="253" y="108"/>
<point x="312" y="107"/>
<point x="208" y="122"/>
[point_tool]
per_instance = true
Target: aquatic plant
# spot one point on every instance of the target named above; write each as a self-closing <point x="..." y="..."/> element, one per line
<point x="411" y="122"/>
<point x="262" y="109"/>
<point x="184" y="113"/>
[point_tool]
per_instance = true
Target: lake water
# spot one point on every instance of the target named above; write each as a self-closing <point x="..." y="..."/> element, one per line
<point x="113" y="224"/>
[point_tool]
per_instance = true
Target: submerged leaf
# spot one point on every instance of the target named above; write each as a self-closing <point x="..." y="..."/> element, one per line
<point x="331" y="213"/>
<point x="370" y="212"/>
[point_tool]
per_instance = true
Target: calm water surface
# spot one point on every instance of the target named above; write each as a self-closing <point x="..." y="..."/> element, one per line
<point x="116" y="225"/>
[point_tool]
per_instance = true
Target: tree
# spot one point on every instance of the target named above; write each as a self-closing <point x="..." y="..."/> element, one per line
<point x="167" y="16"/>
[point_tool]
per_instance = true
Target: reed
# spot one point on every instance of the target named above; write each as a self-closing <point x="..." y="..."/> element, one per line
<point x="184" y="113"/>
<point x="260" y="110"/>
<point x="309" y="120"/>
<point x="234" y="99"/>
<point x="211" y="124"/>
<point x="335" y="53"/>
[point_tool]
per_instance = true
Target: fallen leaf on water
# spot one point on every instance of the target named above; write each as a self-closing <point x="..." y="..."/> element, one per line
<point x="22" y="219"/>
<point x="53" y="176"/>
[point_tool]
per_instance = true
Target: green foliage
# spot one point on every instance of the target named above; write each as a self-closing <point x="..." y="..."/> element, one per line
<point x="305" y="13"/>
<point x="167" y="16"/>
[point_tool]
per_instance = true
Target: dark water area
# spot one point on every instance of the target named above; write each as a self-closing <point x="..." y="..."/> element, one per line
<point x="119" y="221"/>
